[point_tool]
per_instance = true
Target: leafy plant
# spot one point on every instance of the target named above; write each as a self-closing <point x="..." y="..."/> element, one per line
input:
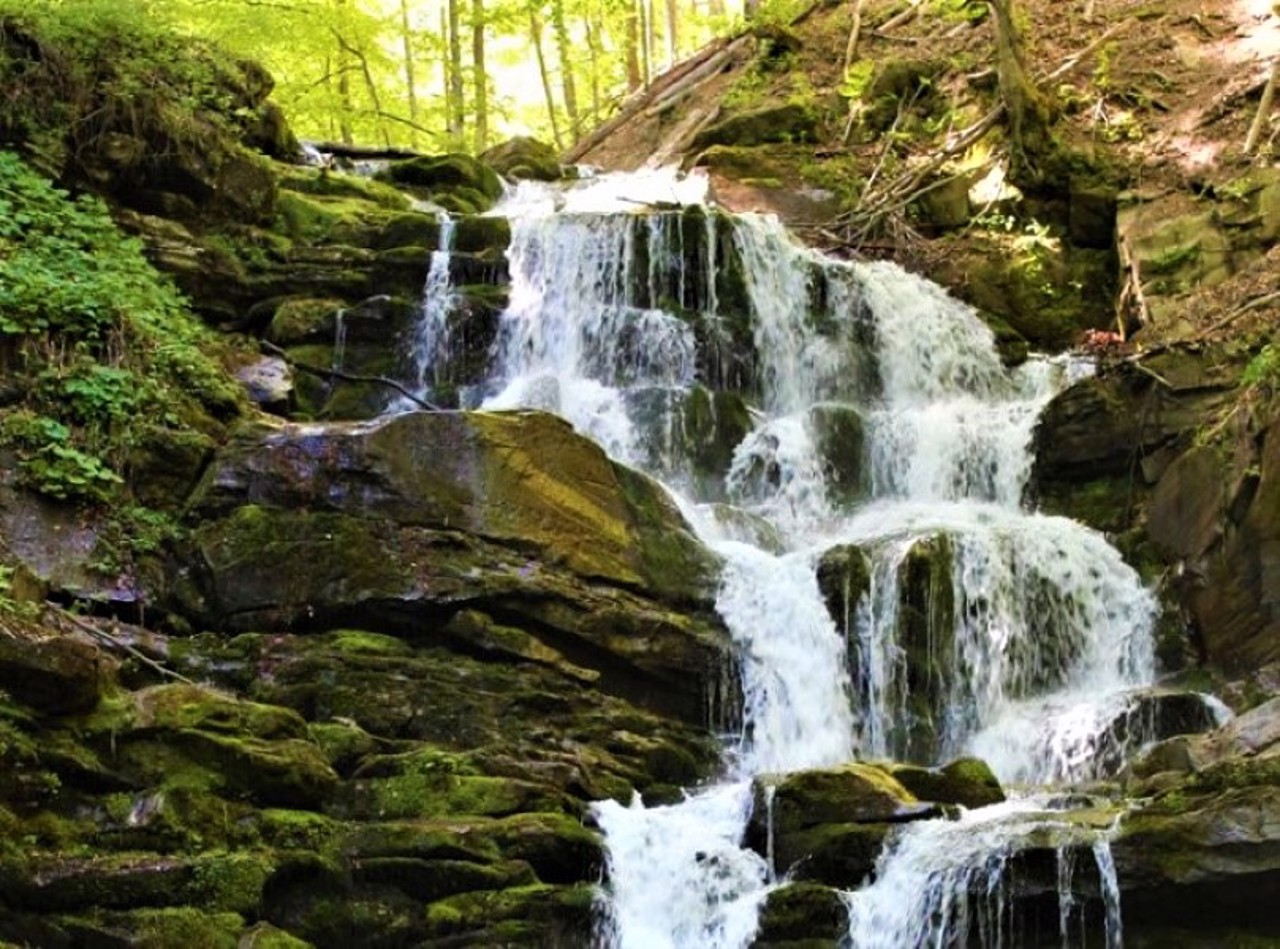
<point x="1264" y="368"/>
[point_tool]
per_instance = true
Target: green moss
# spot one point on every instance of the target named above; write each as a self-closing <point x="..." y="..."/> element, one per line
<point x="296" y="830"/>
<point x="166" y="928"/>
<point x="230" y="880"/>
<point x="330" y="184"/>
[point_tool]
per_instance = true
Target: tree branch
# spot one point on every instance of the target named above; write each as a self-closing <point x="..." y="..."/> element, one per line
<point x="329" y="372"/>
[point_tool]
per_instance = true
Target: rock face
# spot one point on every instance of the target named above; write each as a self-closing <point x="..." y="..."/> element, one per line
<point x="415" y="518"/>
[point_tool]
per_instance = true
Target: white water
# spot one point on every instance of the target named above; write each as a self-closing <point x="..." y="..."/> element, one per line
<point x="1050" y="627"/>
<point x="429" y="349"/>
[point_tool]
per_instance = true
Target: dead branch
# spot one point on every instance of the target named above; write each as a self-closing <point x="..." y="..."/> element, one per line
<point x="342" y="150"/>
<point x="901" y="19"/>
<point x="1131" y="297"/>
<point x="328" y="372"/>
<point x="111" y="642"/>
<point x="1264" y="109"/>
<point x="1073" y="61"/>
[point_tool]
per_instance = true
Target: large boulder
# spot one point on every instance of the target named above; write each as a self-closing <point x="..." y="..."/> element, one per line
<point x="406" y="522"/>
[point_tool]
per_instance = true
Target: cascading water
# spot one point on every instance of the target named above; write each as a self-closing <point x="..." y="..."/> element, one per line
<point x="622" y="319"/>
<point x="429" y="349"/>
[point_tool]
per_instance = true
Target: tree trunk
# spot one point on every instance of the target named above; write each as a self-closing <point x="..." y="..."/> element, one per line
<point x="481" y="94"/>
<point x="634" y="76"/>
<point x="535" y="33"/>
<point x="646" y="37"/>
<point x="1023" y="102"/>
<point x="456" y="93"/>
<point x="672" y="31"/>
<point x="596" y="54"/>
<point x="565" y="54"/>
<point x="410" y="82"/>
<point x="346" y="106"/>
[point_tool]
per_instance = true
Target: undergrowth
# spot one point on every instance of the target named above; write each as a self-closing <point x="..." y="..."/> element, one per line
<point x="99" y="354"/>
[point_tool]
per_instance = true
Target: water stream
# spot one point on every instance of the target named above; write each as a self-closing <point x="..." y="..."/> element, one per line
<point x="878" y="415"/>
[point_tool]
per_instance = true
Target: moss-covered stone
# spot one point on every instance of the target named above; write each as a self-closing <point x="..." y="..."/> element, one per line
<point x="523" y="158"/>
<point x="461" y="180"/>
<point x="965" y="781"/>
<point x="803" y="911"/>
<point x="785" y="122"/>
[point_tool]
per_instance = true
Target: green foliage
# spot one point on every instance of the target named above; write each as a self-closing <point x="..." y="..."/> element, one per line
<point x="1264" y="368"/>
<point x="960" y="11"/>
<point x="106" y="347"/>
<point x="857" y="79"/>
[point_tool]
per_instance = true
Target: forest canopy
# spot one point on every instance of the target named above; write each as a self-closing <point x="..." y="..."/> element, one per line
<point x="446" y="74"/>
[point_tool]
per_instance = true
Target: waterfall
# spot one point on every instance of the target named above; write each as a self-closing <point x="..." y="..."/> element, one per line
<point x="429" y="349"/>
<point x="873" y="412"/>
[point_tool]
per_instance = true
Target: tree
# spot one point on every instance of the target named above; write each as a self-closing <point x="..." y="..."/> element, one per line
<point x="1026" y="107"/>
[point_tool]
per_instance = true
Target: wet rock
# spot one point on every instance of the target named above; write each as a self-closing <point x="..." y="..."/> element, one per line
<point x="839" y="432"/>
<point x="1256" y="732"/>
<point x="697" y="424"/>
<point x="844" y="578"/>
<point x="968" y="782"/>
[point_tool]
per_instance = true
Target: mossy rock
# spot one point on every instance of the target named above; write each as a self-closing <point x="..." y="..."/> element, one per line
<point x="803" y="911"/>
<point x="850" y="793"/>
<point x="335" y="184"/>
<point x="966" y="781"/>
<point x="52" y="672"/>
<point x="466" y="182"/>
<point x="840" y="437"/>
<point x="837" y="855"/>
<point x="521" y="915"/>
<point x="844" y="578"/>
<point x="523" y="158"/>
<point x="164" y="928"/>
<point x="785" y="122"/>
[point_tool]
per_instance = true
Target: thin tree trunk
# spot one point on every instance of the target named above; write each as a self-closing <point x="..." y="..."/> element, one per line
<point x="481" y="93"/>
<point x="1264" y="109"/>
<point x="596" y="54"/>
<point x="634" y="76"/>
<point x="673" y="28"/>
<point x="646" y="37"/>
<point x="410" y="82"/>
<point x="563" y="52"/>
<point x="535" y="33"/>
<point x="456" y="94"/>
<point x="346" y="105"/>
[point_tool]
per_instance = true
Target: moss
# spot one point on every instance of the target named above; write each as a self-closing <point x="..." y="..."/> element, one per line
<point x="303" y="319"/>
<point x="329" y="184"/>
<point x="163" y="929"/>
<point x="230" y="881"/>
<point x="296" y="830"/>
<point x="569" y="908"/>
<point x="803" y="911"/>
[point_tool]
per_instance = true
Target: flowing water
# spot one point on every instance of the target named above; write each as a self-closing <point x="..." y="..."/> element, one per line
<point x="873" y="412"/>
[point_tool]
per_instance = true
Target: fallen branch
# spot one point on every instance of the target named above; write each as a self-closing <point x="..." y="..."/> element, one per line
<point x="112" y="642"/>
<point x="1131" y="295"/>
<point x="329" y="372"/>
<point x="1073" y="61"/>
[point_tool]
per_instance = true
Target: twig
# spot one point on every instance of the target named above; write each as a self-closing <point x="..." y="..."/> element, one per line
<point x="330" y="372"/>
<point x="1083" y="54"/>
<point x="105" y="637"/>
<point x="1131" y="292"/>
<point x="901" y="19"/>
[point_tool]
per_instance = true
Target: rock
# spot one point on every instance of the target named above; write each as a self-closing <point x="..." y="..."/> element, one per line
<point x="696" y="424"/>
<point x="844" y="577"/>
<point x="268" y="382"/>
<point x="1201" y="861"/>
<point x="926" y="636"/>
<point x="55" y="673"/>
<point x="802" y="911"/>
<point x="524" y="479"/>
<point x="523" y="158"/>
<point x="946" y="204"/>
<point x="968" y="782"/>
<point x="1237" y="608"/>
<point x="1256" y="732"/>
<point x="1092" y="215"/>
<point x="840" y="436"/>
<point x="850" y="793"/>
<point x="785" y="122"/>
<point x="461" y="183"/>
